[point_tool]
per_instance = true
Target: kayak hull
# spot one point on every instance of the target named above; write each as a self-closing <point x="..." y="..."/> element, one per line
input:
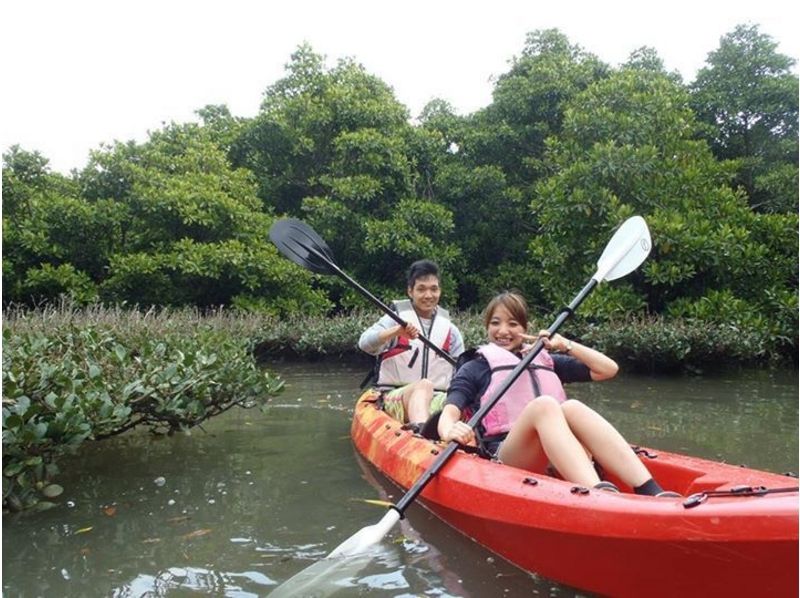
<point x="610" y="544"/>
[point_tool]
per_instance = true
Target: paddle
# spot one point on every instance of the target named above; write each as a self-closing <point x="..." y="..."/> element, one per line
<point x="302" y="245"/>
<point x="626" y="250"/>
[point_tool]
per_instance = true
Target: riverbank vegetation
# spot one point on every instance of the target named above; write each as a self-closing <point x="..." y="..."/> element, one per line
<point x="521" y="194"/>
<point x="72" y="375"/>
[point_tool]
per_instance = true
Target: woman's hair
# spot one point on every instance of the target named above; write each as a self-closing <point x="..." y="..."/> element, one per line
<point x="421" y="269"/>
<point x="513" y="302"/>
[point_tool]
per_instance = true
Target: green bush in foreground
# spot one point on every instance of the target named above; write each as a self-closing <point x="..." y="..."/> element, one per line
<point x="69" y="377"/>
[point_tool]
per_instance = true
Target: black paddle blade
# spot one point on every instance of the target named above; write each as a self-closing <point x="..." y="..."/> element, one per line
<point x="301" y="244"/>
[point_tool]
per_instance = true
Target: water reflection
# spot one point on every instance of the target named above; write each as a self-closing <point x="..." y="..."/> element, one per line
<point x="242" y="506"/>
<point x="194" y="579"/>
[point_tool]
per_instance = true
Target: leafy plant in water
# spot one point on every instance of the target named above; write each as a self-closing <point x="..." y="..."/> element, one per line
<point x="68" y="384"/>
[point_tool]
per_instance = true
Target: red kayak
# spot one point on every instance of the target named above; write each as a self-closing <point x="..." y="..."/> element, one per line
<point x="733" y="533"/>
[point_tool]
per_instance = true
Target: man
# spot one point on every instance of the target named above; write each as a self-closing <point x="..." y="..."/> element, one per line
<point x="413" y="375"/>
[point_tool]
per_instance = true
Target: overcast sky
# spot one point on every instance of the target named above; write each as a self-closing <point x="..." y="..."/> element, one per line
<point x="77" y="73"/>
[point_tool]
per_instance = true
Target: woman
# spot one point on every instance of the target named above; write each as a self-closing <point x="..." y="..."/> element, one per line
<point x="551" y="430"/>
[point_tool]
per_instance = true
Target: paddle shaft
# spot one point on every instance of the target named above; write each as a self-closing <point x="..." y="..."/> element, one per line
<point x="377" y="302"/>
<point x="448" y="452"/>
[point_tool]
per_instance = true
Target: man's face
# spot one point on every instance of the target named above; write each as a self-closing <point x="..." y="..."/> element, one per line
<point x="425" y="295"/>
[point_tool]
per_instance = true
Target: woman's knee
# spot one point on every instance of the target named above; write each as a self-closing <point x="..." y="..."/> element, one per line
<point x="542" y="406"/>
<point x="574" y="407"/>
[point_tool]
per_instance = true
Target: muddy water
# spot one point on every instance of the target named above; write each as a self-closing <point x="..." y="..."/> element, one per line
<point x="240" y="507"/>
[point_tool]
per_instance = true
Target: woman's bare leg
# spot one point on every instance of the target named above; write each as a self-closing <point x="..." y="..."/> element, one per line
<point x="541" y="433"/>
<point x="607" y="445"/>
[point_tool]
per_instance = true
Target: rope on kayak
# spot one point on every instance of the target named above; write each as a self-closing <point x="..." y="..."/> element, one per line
<point x="701" y="497"/>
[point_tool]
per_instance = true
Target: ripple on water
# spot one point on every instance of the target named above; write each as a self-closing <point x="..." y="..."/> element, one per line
<point x="233" y="584"/>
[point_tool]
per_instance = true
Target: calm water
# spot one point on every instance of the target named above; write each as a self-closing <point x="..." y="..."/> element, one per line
<point x="240" y="507"/>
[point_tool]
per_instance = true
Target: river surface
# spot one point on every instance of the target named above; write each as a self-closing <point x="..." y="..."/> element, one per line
<point x="241" y="506"/>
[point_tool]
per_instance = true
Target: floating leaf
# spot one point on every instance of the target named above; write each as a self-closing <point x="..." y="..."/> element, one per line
<point x="373" y="501"/>
<point x="196" y="534"/>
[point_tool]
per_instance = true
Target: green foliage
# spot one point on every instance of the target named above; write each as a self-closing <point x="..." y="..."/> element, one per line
<point x="168" y="222"/>
<point x="522" y="194"/>
<point x="334" y="147"/>
<point x="46" y="282"/>
<point x="490" y="159"/>
<point x="638" y="343"/>
<point x="657" y="344"/>
<point x="52" y="239"/>
<point x="748" y="97"/>
<point x="628" y="147"/>
<point x="312" y="337"/>
<point x="528" y="103"/>
<point x="71" y="376"/>
<point x="210" y="274"/>
<point x="312" y="118"/>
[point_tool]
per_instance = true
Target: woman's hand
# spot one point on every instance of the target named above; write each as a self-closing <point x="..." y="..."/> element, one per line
<point x="601" y="367"/>
<point x="452" y="428"/>
<point x="461" y="433"/>
<point x="556" y="343"/>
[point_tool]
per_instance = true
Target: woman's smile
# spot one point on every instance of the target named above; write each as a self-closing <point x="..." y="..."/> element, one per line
<point x="505" y="331"/>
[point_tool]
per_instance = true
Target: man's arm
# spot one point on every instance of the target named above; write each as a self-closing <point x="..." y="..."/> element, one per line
<point x="383" y="335"/>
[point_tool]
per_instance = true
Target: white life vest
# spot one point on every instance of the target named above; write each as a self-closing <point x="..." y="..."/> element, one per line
<point x="539" y="379"/>
<point x="409" y="361"/>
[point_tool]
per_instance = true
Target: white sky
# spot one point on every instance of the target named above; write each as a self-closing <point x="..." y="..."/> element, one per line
<point x="77" y="73"/>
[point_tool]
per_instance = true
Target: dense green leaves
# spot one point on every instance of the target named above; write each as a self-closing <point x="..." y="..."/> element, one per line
<point x="523" y="193"/>
<point x="68" y="379"/>
<point x="168" y="222"/>
<point x="629" y="147"/>
<point x="748" y="97"/>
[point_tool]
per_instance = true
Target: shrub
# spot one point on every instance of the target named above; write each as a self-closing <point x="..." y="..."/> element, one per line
<point x="72" y="376"/>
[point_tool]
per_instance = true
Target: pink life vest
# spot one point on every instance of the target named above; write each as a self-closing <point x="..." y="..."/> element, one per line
<point x="540" y="380"/>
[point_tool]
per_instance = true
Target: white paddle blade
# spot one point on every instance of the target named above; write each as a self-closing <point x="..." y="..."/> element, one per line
<point x="626" y="250"/>
<point x="366" y="537"/>
<point x="324" y="578"/>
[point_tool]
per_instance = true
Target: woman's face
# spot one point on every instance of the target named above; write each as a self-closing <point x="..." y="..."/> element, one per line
<point x="504" y="330"/>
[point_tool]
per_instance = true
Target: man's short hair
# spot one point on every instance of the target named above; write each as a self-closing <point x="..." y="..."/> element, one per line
<point x="421" y="269"/>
